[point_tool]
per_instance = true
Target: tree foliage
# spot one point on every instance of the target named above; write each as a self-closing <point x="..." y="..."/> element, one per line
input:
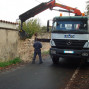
<point x="87" y="7"/>
<point x="44" y="29"/>
<point x="31" y="27"/>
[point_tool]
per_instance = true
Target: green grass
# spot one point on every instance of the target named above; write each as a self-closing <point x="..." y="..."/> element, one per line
<point x="45" y="52"/>
<point x="14" y="61"/>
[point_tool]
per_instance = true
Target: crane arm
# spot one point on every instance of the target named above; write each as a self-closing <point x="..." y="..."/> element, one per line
<point x="43" y="6"/>
<point x="72" y="10"/>
<point x="36" y="10"/>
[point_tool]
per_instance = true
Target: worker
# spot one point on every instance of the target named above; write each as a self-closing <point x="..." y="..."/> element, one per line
<point x="37" y="50"/>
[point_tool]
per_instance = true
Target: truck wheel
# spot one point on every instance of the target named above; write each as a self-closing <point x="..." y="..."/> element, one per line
<point x="84" y="61"/>
<point x="87" y="61"/>
<point x="55" y="59"/>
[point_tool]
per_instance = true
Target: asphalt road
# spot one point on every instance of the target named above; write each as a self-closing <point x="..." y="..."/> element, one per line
<point x="40" y="76"/>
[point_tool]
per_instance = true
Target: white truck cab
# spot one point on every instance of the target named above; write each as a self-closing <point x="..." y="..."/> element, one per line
<point x="69" y="37"/>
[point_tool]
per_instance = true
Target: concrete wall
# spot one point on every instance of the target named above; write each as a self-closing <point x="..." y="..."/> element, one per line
<point x="8" y="41"/>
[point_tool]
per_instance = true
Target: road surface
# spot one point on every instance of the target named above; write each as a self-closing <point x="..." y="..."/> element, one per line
<point x="39" y="76"/>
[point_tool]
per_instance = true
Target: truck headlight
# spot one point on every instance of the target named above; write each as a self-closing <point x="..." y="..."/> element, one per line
<point x="52" y="43"/>
<point x="86" y="45"/>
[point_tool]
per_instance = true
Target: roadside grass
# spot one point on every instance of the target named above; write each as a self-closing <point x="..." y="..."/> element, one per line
<point x="14" y="61"/>
<point x="18" y="60"/>
<point x="45" y="52"/>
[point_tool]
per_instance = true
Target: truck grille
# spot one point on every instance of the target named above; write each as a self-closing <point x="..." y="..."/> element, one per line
<point x="69" y="44"/>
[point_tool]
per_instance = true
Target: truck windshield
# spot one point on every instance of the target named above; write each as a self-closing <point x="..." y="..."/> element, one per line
<point x="70" y="26"/>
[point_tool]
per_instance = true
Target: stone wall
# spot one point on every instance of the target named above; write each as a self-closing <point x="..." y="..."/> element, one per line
<point x="11" y="46"/>
<point x="8" y="40"/>
<point x="26" y="50"/>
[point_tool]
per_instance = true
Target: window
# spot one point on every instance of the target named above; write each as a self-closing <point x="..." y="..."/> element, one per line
<point x="68" y="26"/>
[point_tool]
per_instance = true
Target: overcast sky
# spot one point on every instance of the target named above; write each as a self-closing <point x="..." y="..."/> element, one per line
<point x="11" y="9"/>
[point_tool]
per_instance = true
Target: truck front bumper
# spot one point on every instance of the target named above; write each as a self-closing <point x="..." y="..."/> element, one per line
<point x="69" y="53"/>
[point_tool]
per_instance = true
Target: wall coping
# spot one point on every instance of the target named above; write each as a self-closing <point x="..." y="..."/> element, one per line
<point x="8" y="25"/>
<point x="8" y="22"/>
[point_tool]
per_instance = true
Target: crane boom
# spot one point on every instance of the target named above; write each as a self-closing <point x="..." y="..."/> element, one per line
<point x="43" y="6"/>
<point x="36" y="10"/>
<point x="72" y="10"/>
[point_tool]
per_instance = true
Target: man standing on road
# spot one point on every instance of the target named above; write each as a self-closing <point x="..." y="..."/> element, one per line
<point x="37" y="50"/>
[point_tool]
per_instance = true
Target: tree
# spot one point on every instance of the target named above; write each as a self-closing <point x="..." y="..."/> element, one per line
<point x="87" y="7"/>
<point x="31" y="27"/>
<point x="44" y="29"/>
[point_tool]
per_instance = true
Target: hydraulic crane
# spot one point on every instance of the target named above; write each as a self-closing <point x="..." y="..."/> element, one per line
<point x="69" y="34"/>
<point x="43" y="6"/>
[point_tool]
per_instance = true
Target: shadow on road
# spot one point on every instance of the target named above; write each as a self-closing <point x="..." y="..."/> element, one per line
<point x="70" y="63"/>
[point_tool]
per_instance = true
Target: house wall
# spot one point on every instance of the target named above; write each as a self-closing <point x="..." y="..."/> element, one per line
<point x="8" y="41"/>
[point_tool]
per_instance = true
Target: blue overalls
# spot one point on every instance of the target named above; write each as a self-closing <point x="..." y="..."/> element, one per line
<point x="37" y="50"/>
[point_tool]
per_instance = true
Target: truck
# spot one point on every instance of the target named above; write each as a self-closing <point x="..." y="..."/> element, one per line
<point x="70" y="37"/>
<point x="69" y="34"/>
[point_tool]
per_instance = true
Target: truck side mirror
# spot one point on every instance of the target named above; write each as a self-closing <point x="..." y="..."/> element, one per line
<point x="48" y="26"/>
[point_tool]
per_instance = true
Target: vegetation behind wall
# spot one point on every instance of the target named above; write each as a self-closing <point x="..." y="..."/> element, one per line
<point x="31" y="27"/>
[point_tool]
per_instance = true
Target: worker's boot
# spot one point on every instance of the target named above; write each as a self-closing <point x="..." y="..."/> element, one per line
<point x="40" y="62"/>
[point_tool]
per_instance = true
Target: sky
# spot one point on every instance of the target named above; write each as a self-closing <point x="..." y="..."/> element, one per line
<point x="11" y="9"/>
